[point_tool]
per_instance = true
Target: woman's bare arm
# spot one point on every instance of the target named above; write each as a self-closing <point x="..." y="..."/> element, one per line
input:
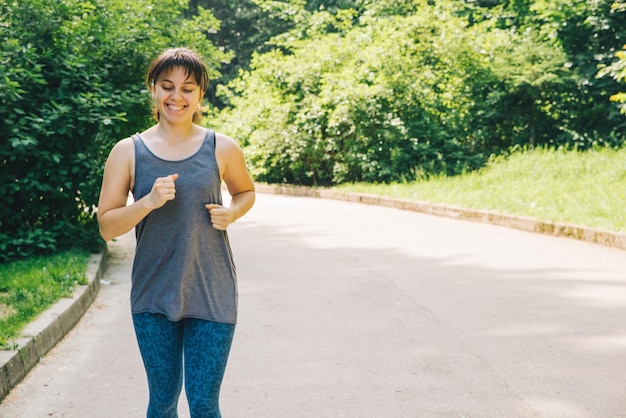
<point x="238" y="181"/>
<point x="114" y="216"/>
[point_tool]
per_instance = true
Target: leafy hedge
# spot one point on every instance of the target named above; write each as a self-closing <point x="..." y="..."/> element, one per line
<point x="71" y="84"/>
<point x="412" y="88"/>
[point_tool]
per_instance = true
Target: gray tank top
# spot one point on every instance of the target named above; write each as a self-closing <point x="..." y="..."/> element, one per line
<point x="183" y="267"/>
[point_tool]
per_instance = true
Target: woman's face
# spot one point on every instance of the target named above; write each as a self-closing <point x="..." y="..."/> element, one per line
<point x="177" y="96"/>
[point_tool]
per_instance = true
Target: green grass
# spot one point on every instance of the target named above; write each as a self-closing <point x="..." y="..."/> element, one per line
<point x="30" y="286"/>
<point x="581" y="188"/>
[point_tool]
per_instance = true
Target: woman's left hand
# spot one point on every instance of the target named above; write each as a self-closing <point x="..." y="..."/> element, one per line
<point x="221" y="217"/>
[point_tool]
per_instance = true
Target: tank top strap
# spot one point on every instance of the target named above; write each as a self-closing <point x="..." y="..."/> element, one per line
<point x="210" y="133"/>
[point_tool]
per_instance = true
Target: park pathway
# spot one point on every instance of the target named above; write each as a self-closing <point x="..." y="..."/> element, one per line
<point x="348" y="310"/>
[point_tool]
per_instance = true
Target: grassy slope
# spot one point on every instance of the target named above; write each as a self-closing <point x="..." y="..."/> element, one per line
<point x="582" y="188"/>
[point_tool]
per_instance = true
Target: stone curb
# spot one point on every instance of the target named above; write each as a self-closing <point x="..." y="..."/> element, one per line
<point x="595" y="236"/>
<point x="41" y="335"/>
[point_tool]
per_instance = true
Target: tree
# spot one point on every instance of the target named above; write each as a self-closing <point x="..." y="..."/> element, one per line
<point x="589" y="33"/>
<point x="246" y="26"/>
<point x="617" y="70"/>
<point x="71" y="85"/>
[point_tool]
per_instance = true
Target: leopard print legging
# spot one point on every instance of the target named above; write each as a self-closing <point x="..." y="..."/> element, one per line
<point x="163" y="344"/>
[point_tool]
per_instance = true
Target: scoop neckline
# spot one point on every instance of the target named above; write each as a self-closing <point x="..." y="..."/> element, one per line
<point x="173" y="161"/>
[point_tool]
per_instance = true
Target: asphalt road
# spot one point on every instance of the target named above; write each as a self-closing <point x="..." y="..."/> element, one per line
<point x="348" y="310"/>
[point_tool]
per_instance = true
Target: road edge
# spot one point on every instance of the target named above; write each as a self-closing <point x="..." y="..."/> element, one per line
<point x="41" y="335"/>
<point x="591" y="235"/>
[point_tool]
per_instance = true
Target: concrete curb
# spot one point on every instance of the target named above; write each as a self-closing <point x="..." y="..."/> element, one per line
<point x="49" y="328"/>
<point x="595" y="236"/>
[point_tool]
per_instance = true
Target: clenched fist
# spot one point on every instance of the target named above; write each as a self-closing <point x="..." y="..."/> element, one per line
<point x="163" y="190"/>
<point x="221" y="216"/>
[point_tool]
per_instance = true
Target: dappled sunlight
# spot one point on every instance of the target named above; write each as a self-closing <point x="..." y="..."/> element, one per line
<point x="551" y="407"/>
<point x="597" y="344"/>
<point x="466" y="316"/>
<point x="598" y="295"/>
<point x="525" y="330"/>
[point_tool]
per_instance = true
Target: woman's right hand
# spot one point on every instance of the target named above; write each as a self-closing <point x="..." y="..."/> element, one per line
<point x="163" y="190"/>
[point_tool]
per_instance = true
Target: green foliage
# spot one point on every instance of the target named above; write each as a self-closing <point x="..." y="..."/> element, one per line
<point x="398" y="90"/>
<point x="332" y="6"/>
<point x="71" y="84"/>
<point x="590" y="34"/>
<point x="243" y="28"/>
<point x="617" y="71"/>
<point x="531" y="74"/>
<point x="246" y="26"/>
<point x="387" y="99"/>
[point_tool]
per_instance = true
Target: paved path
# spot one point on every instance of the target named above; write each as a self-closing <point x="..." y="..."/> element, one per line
<point x="350" y="310"/>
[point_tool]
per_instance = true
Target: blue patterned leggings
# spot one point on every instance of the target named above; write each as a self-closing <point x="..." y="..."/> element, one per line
<point x="163" y="344"/>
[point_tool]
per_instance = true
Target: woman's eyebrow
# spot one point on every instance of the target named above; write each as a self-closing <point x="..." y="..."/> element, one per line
<point x="170" y="81"/>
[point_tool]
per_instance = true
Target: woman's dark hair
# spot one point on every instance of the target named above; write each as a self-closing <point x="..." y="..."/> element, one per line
<point x="186" y="59"/>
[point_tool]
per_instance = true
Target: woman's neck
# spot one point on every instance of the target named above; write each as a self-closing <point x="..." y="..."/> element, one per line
<point x="175" y="133"/>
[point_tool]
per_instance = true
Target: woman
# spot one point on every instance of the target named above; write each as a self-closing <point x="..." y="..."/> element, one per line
<point x="184" y="291"/>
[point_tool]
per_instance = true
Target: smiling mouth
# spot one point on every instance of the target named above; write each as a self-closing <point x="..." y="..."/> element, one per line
<point x="175" y="108"/>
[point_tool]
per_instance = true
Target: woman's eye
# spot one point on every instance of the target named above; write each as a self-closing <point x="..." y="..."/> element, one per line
<point x="167" y="88"/>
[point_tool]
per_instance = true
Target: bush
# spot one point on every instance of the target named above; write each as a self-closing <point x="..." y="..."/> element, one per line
<point x="376" y="102"/>
<point x="71" y="85"/>
<point x="416" y="88"/>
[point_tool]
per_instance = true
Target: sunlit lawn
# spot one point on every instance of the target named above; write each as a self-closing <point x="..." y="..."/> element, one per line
<point x="582" y="188"/>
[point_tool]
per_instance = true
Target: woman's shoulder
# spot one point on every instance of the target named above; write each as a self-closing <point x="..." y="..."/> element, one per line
<point x="123" y="148"/>
<point x="226" y="143"/>
<point x="125" y="142"/>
